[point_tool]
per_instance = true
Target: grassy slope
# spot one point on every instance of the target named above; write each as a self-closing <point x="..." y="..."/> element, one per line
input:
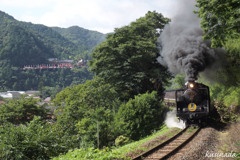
<point x="229" y="139"/>
<point x="108" y="154"/>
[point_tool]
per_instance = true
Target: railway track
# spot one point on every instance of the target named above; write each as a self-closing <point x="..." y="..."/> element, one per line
<point x="169" y="147"/>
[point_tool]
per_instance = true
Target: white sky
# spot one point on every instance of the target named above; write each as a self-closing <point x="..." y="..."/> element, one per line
<point x="98" y="15"/>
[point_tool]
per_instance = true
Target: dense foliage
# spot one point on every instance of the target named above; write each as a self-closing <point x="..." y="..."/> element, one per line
<point x="140" y="116"/>
<point x="13" y="78"/>
<point x="127" y="59"/>
<point x="21" y="111"/>
<point x="220" y="20"/>
<point x="35" y="140"/>
<point x="221" y="23"/>
<point x="90" y="113"/>
<point x="85" y="105"/>
<point x="177" y="82"/>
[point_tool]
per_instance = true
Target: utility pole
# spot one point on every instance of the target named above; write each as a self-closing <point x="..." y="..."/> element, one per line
<point x="98" y="134"/>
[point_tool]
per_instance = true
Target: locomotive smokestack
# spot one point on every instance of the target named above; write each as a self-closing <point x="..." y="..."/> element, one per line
<point x="183" y="49"/>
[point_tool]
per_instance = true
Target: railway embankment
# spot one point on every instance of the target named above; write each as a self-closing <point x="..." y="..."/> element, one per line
<point x="212" y="142"/>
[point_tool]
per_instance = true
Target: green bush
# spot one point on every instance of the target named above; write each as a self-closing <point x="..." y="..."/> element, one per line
<point x="90" y="154"/>
<point x="226" y="101"/>
<point x="233" y="98"/>
<point x="35" y="140"/>
<point x="226" y="114"/>
<point x="140" y="116"/>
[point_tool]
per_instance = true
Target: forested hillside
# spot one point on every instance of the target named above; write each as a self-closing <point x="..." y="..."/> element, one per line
<point x="24" y="43"/>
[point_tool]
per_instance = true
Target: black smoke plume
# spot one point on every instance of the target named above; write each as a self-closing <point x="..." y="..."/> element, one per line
<point x="183" y="49"/>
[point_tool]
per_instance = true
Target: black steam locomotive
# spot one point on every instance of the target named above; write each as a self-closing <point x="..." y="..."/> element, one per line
<point x="193" y="103"/>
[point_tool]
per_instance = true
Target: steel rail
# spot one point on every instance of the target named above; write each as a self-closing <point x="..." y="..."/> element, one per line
<point x="165" y="143"/>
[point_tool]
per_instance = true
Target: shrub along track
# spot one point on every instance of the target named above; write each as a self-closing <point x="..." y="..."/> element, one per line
<point x="169" y="147"/>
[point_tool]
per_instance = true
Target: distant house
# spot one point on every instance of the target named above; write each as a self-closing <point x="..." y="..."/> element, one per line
<point x="6" y="95"/>
<point x="47" y="100"/>
<point x="48" y="105"/>
<point x="11" y="94"/>
<point x="17" y="94"/>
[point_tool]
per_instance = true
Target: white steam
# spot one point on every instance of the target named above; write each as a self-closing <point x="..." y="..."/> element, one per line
<point x="172" y="121"/>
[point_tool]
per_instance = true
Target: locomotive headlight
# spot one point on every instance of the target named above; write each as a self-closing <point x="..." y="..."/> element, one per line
<point x="191" y="85"/>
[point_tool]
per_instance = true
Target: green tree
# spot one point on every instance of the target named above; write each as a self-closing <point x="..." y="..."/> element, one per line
<point x="82" y="106"/>
<point x="97" y="128"/>
<point x="177" y="82"/>
<point x="221" y="24"/>
<point x="127" y="59"/>
<point x="49" y="91"/>
<point x="220" y="20"/>
<point x="93" y="93"/>
<point x="140" y="116"/>
<point x="21" y="110"/>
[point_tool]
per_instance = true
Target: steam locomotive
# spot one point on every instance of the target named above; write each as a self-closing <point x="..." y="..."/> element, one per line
<point x="193" y="103"/>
